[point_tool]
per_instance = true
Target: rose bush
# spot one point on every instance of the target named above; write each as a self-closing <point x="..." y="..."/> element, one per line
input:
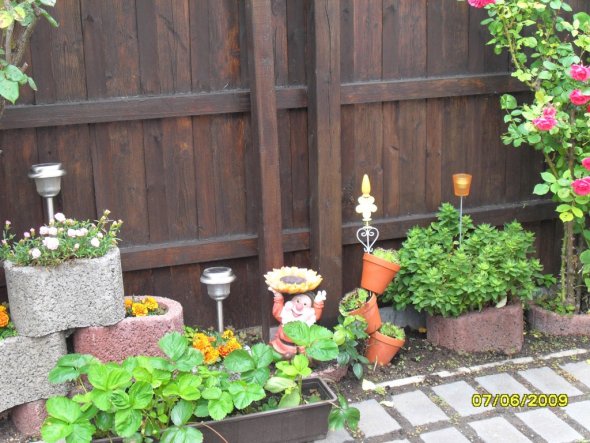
<point x="548" y="45"/>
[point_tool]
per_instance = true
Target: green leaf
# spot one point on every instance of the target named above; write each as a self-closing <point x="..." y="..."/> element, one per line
<point x="101" y="399"/>
<point x="298" y="332"/>
<point x="6" y="19"/>
<point x="188" y="386"/>
<point x="577" y="212"/>
<point x="8" y="89"/>
<point x="508" y="101"/>
<point x="541" y="189"/>
<point x="548" y="177"/>
<point x="279" y="384"/>
<point x="13" y="73"/>
<point x="54" y="430"/>
<point x="82" y="432"/>
<point x="262" y="354"/>
<point x="32" y="83"/>
<point x="564" y="193"/>
<point x="202" y="409"/>
<point x="211" y="393"/>
<point x="219" y="408"/>
<point x="290" y="400"/>
<point x="182" y="412"/>
<point x="566" y="217"/>
<point x="108" y="377"/>
<point x="259" y="375"/>
<point x="184" y="434"/>
<point x="323" y="350"/>
<point x="140" y="395"/>
<point x="239" y="361"/>
<point x="317" y="332"/>
<point x="174" y="345"/>
<point x="127" y="422"/>
<point x="104" y="421"/>
<point x="120" y="399"/>
<point x="585" y="257"/>
<point x="63" y="409"/>
<point x="189" y="360"/>
<point x="245" y="393"/>
<point x="62" y="374"/>
<point x="358" y="370"/>
<point x="300" y="362"/>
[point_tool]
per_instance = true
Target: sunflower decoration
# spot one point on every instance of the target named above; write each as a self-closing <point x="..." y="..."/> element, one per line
<point x="293" y="280"/>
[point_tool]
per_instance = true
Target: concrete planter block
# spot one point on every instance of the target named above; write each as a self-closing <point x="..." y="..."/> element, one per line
<point x="406" y="317"/>
<point x="492" y="329"/>
<point x="25" y="363"/>
<point x="29" y="418"/>
<point x="131" y="336"/>
<point x="74" y="294"/>
<point x="554" y="324"/>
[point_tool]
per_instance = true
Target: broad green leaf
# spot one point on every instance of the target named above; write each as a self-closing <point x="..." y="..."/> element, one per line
<point x="279" y="384"/>
<point x="140" y="395"/>
<point x="101" y="399"/>
<point x="259" y="375"/>
<point x="191" y="358"/>
<point x="188" y="386"/>
<point x="202" y="409"/>
<point x="287" y="368"/>
<point x="62" y="374"/>
<point x="127" y="422"/>
<point x="566" y="217"/>
<point x="290" y="400"/>
<point x="323" y="350"/>
<point x="301" y="363"/>
<point x="262" y="354"/>
<point x="298" y="332"/>
<point x="82" y="432"/>
<point x="548" y="177"/>
<point x="63" y="409"/>
<point x="317" y="332"/>
<point x="19" y="13"/>
<point x="182" y="412"/>
<point x="219" y="408"/>
<point x="174" y="345"/>
<point x="104" y="421"/>
<point x="184" y="434"/>
<point x="244" y="394"/>
<point x="239" y="361"/>
<point x="6" y="19"/>
<point x="8" y="89"/>
<point x="577" y="212"/>
<point x="211" y="393"/>
<point x="120" y="399"/>
<point x="585" y="257"/>
<point x="54" y="430"/>
<point x="541" y="189"/>
<point x="508" y="101"/>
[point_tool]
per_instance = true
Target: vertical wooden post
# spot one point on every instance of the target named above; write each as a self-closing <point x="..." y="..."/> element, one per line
<point x="324" y="150"/>
<point x="266" y="143"/>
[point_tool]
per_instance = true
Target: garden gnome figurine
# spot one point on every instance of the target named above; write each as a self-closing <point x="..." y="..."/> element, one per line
<point x="302" y="307"/>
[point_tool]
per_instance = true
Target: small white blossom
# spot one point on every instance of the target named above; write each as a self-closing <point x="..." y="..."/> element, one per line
<point x="52" y="231"/>
<point x="95" y="242"/>
<point x="60" y="230"/>
<point x="4" y="242"/>
<point x="35" y="253"/>
<point x="51" y="243"/>
<point x="26" y="234"/>
<point x="43" y="230"/>
<point x="76" y="246"/>
<point x="7" y="223"/>
<point x="72" y="233"/>
<point x="99" y="235"/>
<point x="60" y="217"/>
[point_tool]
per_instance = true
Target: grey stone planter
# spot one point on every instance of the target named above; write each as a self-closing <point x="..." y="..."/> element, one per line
<point x="25" y="364"/>
<point x="407" y="317"/>
<point x="74" y="294"/>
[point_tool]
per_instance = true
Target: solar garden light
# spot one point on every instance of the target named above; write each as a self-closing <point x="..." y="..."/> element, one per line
<point x="368" y="234"/>
<point x="461" y="185"/>
<point x="218" y="280"/>
<point x="47" y="178"/>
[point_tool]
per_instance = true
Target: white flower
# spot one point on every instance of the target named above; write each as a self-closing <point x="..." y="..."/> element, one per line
<point x="52" y="231"/>
<point x="43" y="230"/>
<point x="60" y="217"/>
<point x="7" y="223"/>
<point x="72" y="233"/>
<point x="76" y="246"/>
<point x="51" y="243"/>
<point x="26" y="234"/>
<point x="82" y="232"/>
<point x="99" y="235"/>
<point x="95" y="242"/>
<point x="35" y="253"/>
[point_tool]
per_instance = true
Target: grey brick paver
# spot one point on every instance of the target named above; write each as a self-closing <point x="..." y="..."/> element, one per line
<point x="374" y="419"/>
<point x="458" y="396"/>
<point x="549" y="426"/>
<point x="580" y="412"/>
<point x="548" y="382"/>
<point x="497" y="429"/>
<point x="502" y="383"/>
<point x="339" y="436"/>
<point x="417" y="408"/>
<point x="580" y="370"/>
<point x="444" y="436"/>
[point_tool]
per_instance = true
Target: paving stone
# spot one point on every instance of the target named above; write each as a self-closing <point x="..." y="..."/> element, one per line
<point x="549" y="426"/>
<point x="444" y="436"/>
<point x="458" y="396"/>
<point x="417" y="408"/>
<point x="398" y="441"/>
<point x="339" y="436"/>
<point x="502" y="383"/>
<point x="548" y="382"/>
<point x="374" y="419"/>
<point x="580" y="412"/>
<point x="493" y="430"/>
<point x="580" y="370"/>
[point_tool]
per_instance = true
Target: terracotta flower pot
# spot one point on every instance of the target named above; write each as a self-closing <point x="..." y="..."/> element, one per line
<point x="382" y="349"/>
<point x="370" y="312"/>
<point x="377" y="273"/>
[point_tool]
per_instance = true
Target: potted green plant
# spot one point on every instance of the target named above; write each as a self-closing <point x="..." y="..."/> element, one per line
<point x="478" y="285"/>
<point x="385" y="343"/>
<point x="363" y="303"/>
<point x="379" y="268"/>
<point x="64" y="275"/>
<point x="548" y="45"/>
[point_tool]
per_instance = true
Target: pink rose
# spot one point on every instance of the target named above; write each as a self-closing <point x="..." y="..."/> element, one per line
<point x="578" y="99"/>
<point x="580" y="73"/>
<point x="480" y="3"/>
<point x="582" y="186"/>
<point x="549" y="111"/>
<point x="544" y="123"/>
<point x="586" y="163"/>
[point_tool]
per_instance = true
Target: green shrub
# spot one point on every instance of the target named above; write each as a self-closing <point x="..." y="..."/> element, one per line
<point x="390" y="255"/>
<point x="354" y="300"/>
<point x="393" y="331"/>
<point x="441" y="277"/>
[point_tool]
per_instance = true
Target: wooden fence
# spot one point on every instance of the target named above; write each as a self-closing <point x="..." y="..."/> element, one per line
<point x="237" y="133"/>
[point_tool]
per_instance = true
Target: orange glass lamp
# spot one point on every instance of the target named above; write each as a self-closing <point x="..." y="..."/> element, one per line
<point x="461" y="186"/>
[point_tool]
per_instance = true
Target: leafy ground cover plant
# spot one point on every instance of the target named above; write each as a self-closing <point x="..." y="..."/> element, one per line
<point x="63" y="239"/>
<point x="350" y="336"/>
<point x="354" y="300"/>
<point x="6" y="326"/>
<point x="390" y="255"/>
<point x="444" y="278"/>
<point x="548" y="45"/>
<point x="393" y="331"/>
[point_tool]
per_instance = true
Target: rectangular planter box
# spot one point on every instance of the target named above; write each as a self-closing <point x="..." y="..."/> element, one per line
<point x="304" y="423"/>
<point x="24" y="366"/>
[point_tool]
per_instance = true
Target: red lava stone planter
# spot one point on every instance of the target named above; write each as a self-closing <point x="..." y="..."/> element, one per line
<point x="382" y="349"/>
<point x="132" y="335"/>
<point x="377" y="273"/>
<point x="370" y="312"/>
<point x="555" y="324"/>
<point x="492" y="329"/>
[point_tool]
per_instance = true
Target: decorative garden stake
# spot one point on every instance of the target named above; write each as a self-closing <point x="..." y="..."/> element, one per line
<point x="367" y="235"/>
<point x="461" y="184"/>
<point x="47" y="178"/>
<point x="218" y="280"/>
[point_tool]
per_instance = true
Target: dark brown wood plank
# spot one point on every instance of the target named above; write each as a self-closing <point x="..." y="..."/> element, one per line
<point x="448" y="31"/>
<point x="265" y="139"/>
<point x="297" y="41"/>
<point x="324" y="148"/>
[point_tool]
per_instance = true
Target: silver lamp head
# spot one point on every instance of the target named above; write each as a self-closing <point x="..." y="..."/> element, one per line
<point x="47" y="178"/>
<point x="218" y="280"/>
